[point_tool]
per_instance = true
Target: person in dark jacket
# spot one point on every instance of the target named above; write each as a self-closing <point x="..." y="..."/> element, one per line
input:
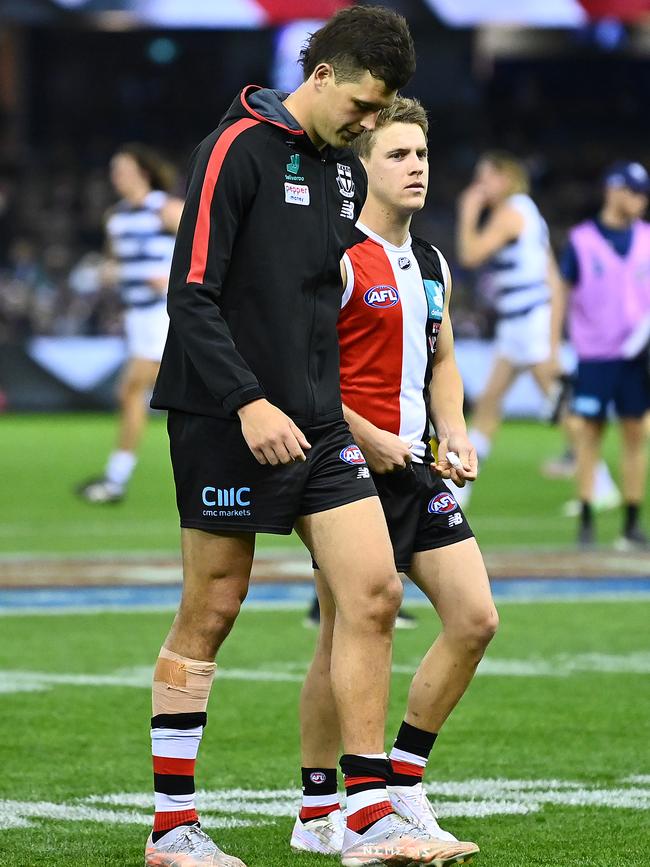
<point x="258" y="442"/>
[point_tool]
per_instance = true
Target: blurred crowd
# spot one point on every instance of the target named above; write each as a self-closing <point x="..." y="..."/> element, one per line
<point x="52" y="245"/>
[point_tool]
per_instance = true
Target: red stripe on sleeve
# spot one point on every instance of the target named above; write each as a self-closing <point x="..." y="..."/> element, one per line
<point x="202" y="226"/>
<point x="180" y="767"/>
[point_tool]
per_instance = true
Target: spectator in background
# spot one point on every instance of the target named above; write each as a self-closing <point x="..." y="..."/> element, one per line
<point x="501" y="230"/>
<point x="606" y="269"/>
<point x="141" y="231"/>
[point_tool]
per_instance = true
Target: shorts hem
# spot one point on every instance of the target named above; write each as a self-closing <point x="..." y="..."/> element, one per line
<point x="444" y="543"/>
<point x="343" y="501"/>
<point x="236" y="528"/>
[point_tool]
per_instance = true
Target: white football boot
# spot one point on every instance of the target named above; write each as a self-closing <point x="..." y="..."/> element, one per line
<point x="394" y="841"/>
<point x="187" y="846"/>
<point x="324" y="836"/>
<point x="412" y="804"/>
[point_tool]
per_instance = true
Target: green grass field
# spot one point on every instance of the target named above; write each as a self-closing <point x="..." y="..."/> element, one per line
<point x="43" y="457"/>
<point x="545" y="761"/>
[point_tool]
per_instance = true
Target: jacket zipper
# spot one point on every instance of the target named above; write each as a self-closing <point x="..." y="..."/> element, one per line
<point x="312" y="375"/>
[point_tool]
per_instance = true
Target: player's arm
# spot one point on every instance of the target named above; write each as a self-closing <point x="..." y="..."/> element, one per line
<point x="558" y="308"/>
<point x="477" y="244"/>
<point x="223" y="183"/>
<point x="170" y="215"/>
<point x="109" y="269"/>
<point x="565" y="277"/>
<point x="384" y="451"/>
<point x="446" y="395"/>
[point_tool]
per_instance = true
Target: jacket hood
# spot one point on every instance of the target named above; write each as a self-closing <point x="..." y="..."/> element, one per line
<point x="265" y="105"/>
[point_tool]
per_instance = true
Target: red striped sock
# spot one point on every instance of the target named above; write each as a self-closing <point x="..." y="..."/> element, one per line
<point x="175" y="742"/>
<point x="367" y="802"/>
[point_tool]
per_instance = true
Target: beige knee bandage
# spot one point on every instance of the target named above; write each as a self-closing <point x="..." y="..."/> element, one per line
<point x="181" y="685"/>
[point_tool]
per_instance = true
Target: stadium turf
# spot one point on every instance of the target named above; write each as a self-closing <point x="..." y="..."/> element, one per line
<point x="43" y="457"/>
<point x="545" y="761"/>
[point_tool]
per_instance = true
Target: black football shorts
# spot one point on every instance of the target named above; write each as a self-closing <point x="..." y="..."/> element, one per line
<point x="421" y="512"/>
<point x="220" y="485"/>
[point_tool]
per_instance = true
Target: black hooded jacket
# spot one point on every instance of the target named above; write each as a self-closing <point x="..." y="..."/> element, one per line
<point x="255" y="285"/>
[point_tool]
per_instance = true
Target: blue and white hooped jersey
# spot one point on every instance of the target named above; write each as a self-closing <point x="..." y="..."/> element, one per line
<point x="516" y="278"/>
<point x="143" y="248"/>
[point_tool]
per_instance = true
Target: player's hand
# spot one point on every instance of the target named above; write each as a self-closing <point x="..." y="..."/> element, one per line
<point x="384" y="451"/>
<point x="472" y="200"/>
<point x="271" y="435"/>
<point x="460" y="445"/>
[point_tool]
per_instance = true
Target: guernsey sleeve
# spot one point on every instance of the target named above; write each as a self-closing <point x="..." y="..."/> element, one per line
<point x="222" y="185"/>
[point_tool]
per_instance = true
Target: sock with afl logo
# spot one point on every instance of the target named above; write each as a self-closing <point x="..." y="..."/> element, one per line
<point x="319" y="793"/>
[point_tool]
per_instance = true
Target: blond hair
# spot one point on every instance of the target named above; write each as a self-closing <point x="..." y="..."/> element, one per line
<point x="402" y="110"/>
<point x="508" y="164"/>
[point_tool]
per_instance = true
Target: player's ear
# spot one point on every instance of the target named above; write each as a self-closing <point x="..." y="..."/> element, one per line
<point x="323" y="76"/>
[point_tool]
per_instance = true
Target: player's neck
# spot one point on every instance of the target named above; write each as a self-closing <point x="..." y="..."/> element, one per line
<point x="613" y="219"/>
<point x="393" y="226"/>
<point x="298" y="105"/>
<point x="138" y="195"/>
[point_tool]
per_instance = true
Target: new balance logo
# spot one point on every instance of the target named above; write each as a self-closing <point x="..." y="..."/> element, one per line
<point x="363" y="473"/>
<point x="455" y="519"/>
<point x="347" y="210"/>
<point x="226" y="497"/>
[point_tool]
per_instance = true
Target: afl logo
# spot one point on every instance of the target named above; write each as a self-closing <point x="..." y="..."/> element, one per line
<point x="381" y="296"/>
<point x="352" y="455"/>
<point x="317" y="777"/>
<point x="442" y="503"/>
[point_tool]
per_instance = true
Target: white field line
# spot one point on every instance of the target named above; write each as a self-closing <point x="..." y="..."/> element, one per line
<point x="139" y="677"/>
<point x="474" y="798"/>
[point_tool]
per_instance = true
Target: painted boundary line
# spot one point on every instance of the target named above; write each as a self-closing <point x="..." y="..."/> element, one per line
<point x="474" y="798"/>
<point x="297" y="595"/>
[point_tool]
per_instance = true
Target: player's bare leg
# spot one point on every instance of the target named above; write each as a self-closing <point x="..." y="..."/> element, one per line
<point x="634" y="466"/>
<point x="588" y="444"/>
<point x="455" y="580"/>
<point x="137" y="380"/>
<point x="352" y="548"/>
<point x="487" y="411"/>
<point x="486" y="418"/>
<point x="139" y="377"/>
<point x="320" y="733"/>
<point x="216" y="572"/>
<point x="544" y="375"/>
<point x="320" y="827"/>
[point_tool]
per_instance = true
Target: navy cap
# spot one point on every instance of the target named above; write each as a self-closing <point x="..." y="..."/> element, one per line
<point x="633" y="176"/>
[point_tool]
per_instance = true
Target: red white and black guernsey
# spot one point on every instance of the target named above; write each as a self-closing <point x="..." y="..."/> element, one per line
<point x="391" y="312"/>
<point x="255" y="283"/>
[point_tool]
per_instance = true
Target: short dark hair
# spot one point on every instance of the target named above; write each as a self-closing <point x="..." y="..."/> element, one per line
<point x="402" y="110"/>
<point x="160" y="173"/>
<point x="363" y="38"/>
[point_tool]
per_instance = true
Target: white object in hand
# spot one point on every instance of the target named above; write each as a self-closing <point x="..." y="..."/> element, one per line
<point x="454" y="460"/>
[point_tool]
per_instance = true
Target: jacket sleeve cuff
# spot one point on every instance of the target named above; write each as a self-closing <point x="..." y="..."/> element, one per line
<point x="240" y="397"/>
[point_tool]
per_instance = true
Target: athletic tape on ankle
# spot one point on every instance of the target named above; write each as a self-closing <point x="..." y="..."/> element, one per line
<point x="181" y="685"/>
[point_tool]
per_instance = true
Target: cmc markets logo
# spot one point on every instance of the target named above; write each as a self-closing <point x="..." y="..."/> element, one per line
<point x="442" y="503"/>
<point x="352" y="455"/>
<point x="226" y="502"/>
<point x="381" y="296"/>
